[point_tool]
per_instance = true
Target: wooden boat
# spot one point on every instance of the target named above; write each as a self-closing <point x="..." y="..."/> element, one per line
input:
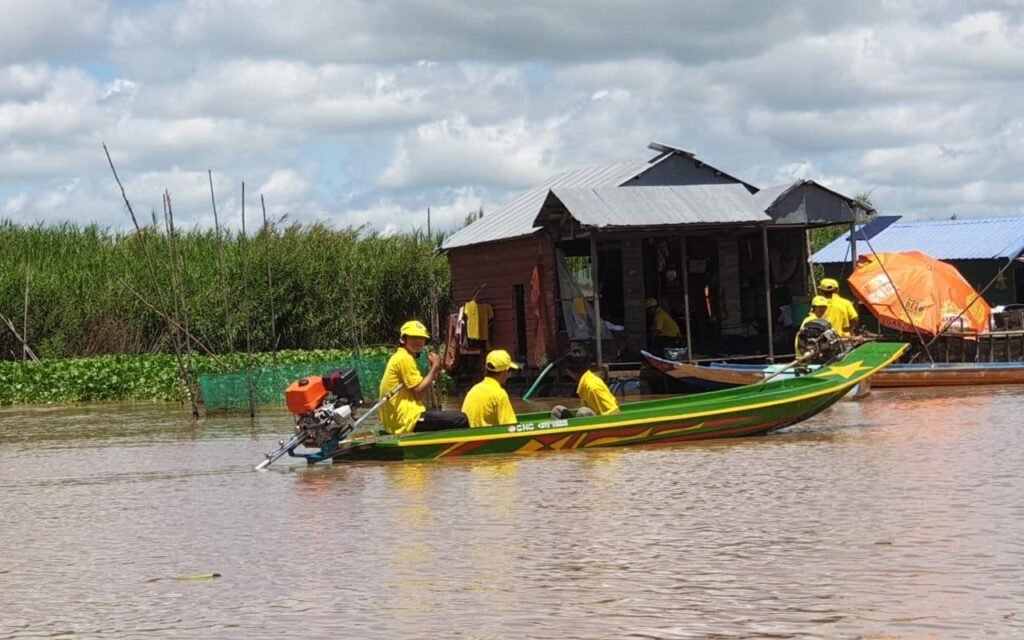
<point x="699" y="378"/>
<point x="746" y="411"/>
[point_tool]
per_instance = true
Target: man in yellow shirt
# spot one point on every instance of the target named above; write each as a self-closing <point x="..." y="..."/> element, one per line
<point x="405" y="411"/>
<point x="841" y="312"/>
<point x="596" y="398"/>
<point x="665" y="330"/>
<point x="487" y="403"/>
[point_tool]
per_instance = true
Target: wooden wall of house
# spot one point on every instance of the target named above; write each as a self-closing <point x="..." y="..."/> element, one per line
<point x="498" y="267"/>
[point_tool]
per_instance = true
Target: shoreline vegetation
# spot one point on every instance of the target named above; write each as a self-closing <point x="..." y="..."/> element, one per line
<point x="121" y="316"/>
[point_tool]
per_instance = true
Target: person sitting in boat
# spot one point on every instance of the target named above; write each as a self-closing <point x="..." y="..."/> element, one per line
<point x="816" y="340"/>
<point x="487" y="403"/>
<point x="664" y="329"/>
<point x="841" y="312"/>
<point x="596" y="398"/>
<point x="405" y="411"/>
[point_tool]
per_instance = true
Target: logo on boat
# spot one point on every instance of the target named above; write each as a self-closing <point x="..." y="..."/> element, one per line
<point x="540" y="426"/>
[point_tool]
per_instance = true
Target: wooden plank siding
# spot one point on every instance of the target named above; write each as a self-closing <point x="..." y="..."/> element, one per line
<point x="498" y="267"/>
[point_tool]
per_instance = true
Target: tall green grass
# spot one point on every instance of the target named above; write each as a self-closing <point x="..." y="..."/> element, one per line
<point x="332" y="289"/>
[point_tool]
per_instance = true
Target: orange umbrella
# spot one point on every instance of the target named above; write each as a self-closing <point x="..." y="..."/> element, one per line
<point x="933" y="294"/>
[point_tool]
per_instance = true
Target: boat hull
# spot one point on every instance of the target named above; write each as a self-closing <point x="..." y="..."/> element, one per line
<point x="729" y="413"/>
<point x="726" y="376"/>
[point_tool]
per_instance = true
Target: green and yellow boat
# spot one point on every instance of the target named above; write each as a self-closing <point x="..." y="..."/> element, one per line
<point x="750" y="410"/>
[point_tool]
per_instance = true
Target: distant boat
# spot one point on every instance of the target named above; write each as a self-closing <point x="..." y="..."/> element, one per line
<point x="720" y="375"/>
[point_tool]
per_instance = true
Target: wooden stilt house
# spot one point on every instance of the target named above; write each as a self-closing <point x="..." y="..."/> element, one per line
<point x="577" y="258"/>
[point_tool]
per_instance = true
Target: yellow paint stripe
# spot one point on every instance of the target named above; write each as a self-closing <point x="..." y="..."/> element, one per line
<point x="849" y="384"/>
<point x="531" y="446"/>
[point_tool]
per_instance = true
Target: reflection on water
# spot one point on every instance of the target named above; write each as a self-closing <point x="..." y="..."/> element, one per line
<point x="896" y="516"/>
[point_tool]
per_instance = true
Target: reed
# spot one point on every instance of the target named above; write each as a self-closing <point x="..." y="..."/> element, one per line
<point x="331" y="288"/>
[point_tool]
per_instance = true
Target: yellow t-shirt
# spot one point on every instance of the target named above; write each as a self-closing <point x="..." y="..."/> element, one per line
<point x="487" y="404"/>
<point x="840" y="314"/>
<point x="400" y="413"/>
<point x="664" y="325"/>
<point x="595" y="395"/>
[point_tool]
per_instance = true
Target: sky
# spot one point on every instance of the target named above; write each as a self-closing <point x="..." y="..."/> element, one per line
<point x="351" y="112"/>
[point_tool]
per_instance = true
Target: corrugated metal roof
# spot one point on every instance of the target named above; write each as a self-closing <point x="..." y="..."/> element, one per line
<point x="767" y="196"/>
<point x="965" y="239"/>
<point x="516" y="218"/>
<point x="656" y="206"/>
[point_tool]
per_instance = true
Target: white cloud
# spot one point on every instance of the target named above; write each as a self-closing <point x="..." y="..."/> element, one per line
<point x="285" y="186"/>
<point x="56" y="29"/>
<point x="358" y="112"/>
<point x="454" y="151"/>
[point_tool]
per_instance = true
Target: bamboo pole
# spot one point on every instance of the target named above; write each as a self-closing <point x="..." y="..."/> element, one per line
<point x="228" y="333"/>
<point x="180" y="305"/>
<point x="248" y="328"/>
<point x="24" y="324"/>
<point x="270" y="283"/>
<point x="161" y="299"/>
<point x="24" y="344"/>
<point x="435" y="323"/>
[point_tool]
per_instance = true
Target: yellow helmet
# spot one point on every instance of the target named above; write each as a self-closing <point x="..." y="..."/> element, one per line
<point x="650" y="302"/>
<point x="499" y="360"/>
<point x="414" y="329"/>
<point x="819" y="301"/>
<point x="828" y="284"/>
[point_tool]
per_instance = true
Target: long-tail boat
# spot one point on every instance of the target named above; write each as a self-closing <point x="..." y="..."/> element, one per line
<point x="745" y="411"/>
<point x="698" y="378"/>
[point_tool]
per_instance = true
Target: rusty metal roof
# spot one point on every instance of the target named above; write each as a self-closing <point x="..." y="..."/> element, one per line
<point x="729" y="203"/>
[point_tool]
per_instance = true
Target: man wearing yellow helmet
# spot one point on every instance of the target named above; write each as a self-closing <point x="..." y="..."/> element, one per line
<point x="841" y="312"/>
<point x="405" y="411"/>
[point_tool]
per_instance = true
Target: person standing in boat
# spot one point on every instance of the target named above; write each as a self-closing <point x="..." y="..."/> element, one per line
<point x="664" y="329"/>
<point x="595" y="396"/>
<point x="487" y="404"/>
<point x="841" y="312"/>
<point x="405" y="411"/>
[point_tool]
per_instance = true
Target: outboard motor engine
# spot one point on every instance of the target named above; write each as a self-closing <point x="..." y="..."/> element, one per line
<point x="818" y="343"/>
<point x="323" y="406"/>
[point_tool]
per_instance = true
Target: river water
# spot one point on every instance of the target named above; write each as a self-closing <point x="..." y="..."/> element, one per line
<point x="899" y="516"/>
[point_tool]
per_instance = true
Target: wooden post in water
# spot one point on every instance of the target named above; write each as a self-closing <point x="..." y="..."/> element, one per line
<point x="270" y="281"/>
<point x="768" y="293"/>
<point x="435" y="322"/>
<point x="250" y="388"/>
<point x="229" y="337"/>
<point x="686" y="298"/>
<point x="180" y="308"/>
<point x="24" y="324"/>
<point x="598" y="323"/>
<point x="161" y="299"/>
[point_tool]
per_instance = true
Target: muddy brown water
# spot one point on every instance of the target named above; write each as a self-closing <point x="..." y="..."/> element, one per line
<point x="899" y="516"/>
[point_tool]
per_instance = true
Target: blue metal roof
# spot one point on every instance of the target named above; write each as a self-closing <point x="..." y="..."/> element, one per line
<point x="965" y="239"/>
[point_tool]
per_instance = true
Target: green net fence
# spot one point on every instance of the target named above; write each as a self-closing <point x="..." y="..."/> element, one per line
<point x="226" y="391"/>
